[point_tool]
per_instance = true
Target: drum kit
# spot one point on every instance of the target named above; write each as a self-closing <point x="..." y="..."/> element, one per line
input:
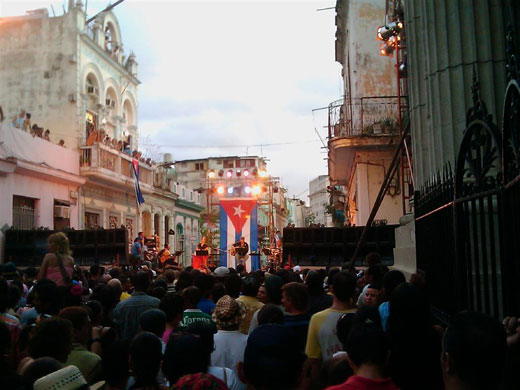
<point x="274" y="256"/>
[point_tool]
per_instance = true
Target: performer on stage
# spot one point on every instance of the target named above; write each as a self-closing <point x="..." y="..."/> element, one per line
<point x="240" y="250"/>
<point x="202" y="247"/>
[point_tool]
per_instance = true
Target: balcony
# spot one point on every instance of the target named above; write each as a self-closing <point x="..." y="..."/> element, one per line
<point x="108" y="165"/>
<point x="361" y="124"/>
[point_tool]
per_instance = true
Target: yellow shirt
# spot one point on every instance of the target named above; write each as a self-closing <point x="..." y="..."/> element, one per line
<point x="252" y="305"/>
<point x="124" y="295"/>
<point x="322" y="339"/>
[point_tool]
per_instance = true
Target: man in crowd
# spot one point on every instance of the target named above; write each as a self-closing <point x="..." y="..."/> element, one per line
<point x="191" y="296"/>
<point x="127" y="312"/>
<point x="250" y="288"/>
<point x="88" y="363"/>
<point x="322" y="341"/>
<point x="295" y="300"/>
<point x="473" y="352"/>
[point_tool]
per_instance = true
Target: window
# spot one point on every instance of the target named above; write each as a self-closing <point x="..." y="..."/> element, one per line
<point x="198" y="198"/>
<point x="191" y="196"/>
<point x="199" y="166"/>
<point x="183" y="193"/>
<point x="24" y="215"/>
<point x="246" y="163"/>
<point x="91" y="220"/>
<point x="229" y="164"/>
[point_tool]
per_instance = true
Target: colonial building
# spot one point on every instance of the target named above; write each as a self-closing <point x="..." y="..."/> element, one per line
<point x="363" y="124"/>
<point x="76" y="79"/>
<point x="319" y="200"/>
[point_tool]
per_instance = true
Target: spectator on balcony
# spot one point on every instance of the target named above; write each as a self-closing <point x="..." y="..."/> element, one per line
<point x="27" y="123"/>
<point x="1" y="114"/>
<point x="106" y="141"/>
<point x="119" y="145"/>
<point x="46" y="135"/>
<point x="61" y="143"/>
<point x="19" y="120"/>
<point x="114" y="143"/>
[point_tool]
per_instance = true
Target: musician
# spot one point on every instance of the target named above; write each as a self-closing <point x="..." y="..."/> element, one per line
<point x="202" y="248"/>
<point x="240" y="250"/>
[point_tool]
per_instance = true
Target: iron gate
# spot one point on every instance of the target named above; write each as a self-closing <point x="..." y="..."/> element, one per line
<point x="468" y="222"/>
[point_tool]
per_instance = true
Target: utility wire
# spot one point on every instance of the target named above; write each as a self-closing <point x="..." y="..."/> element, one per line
<point x="228" y="146"/>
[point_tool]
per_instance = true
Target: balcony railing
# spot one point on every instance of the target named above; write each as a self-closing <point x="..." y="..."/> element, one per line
<point x="111" y="160"/>
<point x="366" y="116"/>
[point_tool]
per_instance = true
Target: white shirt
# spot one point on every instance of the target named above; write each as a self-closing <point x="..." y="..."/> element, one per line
<point x="229" y="349"/>
<point x="229" y="378"/>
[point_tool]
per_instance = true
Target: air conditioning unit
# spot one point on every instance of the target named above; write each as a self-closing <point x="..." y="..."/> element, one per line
<point x="62" y="211"/>
<point x="91" y="90"/>
<point x="110" y="103"/>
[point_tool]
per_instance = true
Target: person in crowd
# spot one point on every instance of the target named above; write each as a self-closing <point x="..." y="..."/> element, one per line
<point x="47" y="301"/>
<point x="184" y="355"/>
<point x="47" y="135"/>
<point x="205" y="284"/>
<point x="295" y="300"/>
<point x="199" y="381"/>
<point x="8" y="377"/>
<point x="185" y="280"/>
<point x="137" y="251"/>
<point x="127" y="312"/>
<point x="145" y="361"/>
<point x="233" y="285"/>
<point x="172" y="306"/>
<point x="57" y="265"/>
<point x="219" y="290"/>
<point x="272" y="359"/>
<point x="261" y="295"/>
<point x="221" y="273"/>
<point x="322" y="341"/>
<point x="115" y="365"/>
<point x="319" y="300"/>
<point x="126" y="287"/>
<point x="230" y="343"/>
<point x="30" y="275"/>
<point x="12" y="322"/>
<point x="415" y="344"/>
<point x="367" y="355"/>
<point x="88" y="363"/>
<point x="473" y="352"/>
<point x="64" y="379"/>
<point x="116" y="286"/>
<point x="270" y="314"/>
<point x="154" y="321"/>
<point x="250" y="288"/>
<point x="273" y="289"/>
<point x="52" y="337"/>
<point x="19" y="120"/>
<point x="38" y="369"/>
<point x="206" y="334"/>
<point x="373" y="275"/>
<point x="372" y="294"/>
<point x="390" y="282"/>
<point x="191" y="297"/>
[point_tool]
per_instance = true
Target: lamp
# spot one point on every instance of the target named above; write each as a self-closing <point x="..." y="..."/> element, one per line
<point x="255" y="190"/>
<point x="230" y="190"/>
<point x="220" y="190"/>
<point x="211" y="174"/>
<point x="229" y="173"/>
<point x="246" y="173"/>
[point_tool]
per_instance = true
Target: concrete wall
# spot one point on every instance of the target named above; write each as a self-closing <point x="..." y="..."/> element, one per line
<point x="319" y="199"/>
<point x="369" y="170"/>
<point x="38" y="71"/>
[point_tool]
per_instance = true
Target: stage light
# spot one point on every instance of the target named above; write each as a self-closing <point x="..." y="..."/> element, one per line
<point x="247" y="190"/>
<point x="255" y="190"/>
<point x="403" y="70"/>
<point x="246" y="173"/>
<point x="239" y="173"/>
<point x="220" y="190"/>
<point x="386" y="49"/>
<point x="230" y="190"/>
<point x="262" y="173"/>
<point x="221" y="173"/>
<point x="229" y="173"/>
<point x="211" y="174"/>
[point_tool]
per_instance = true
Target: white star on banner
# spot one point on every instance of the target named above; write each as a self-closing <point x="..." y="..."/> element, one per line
<point x="238" y="211"/>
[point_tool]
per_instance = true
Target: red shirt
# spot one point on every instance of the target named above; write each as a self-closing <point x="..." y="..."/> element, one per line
<point x="361" y="383"/>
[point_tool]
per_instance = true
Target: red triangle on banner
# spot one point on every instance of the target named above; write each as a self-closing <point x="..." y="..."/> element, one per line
<point x="238" y="211"/>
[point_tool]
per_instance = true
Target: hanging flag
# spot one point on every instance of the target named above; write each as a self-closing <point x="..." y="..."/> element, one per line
<point x="238" y="218"/>
<point x="138" y="194"/>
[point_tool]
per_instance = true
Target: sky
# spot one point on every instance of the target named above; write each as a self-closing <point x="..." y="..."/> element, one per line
<point x="230" y="78"/>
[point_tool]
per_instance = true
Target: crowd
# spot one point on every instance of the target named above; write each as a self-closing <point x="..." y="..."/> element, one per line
<point x="62" y="327"/>
<point x="22" y="121"/>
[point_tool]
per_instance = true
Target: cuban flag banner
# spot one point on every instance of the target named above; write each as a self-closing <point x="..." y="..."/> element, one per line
<point x="238" y="218"/>
<point x="138" y="194"/>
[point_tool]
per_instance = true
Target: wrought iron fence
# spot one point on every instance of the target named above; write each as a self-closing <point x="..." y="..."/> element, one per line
<point x="467" y="230"/>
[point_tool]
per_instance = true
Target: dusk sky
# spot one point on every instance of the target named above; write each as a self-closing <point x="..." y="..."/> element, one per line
<point x="222" y="78"/>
